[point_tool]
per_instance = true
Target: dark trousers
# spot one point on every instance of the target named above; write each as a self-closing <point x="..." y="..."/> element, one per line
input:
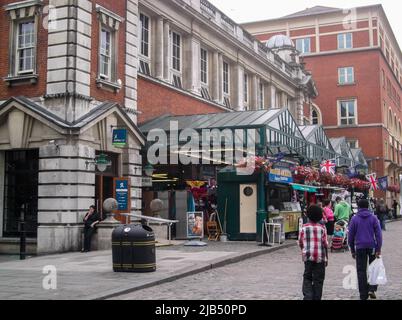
<point x="363" y="258"/>
<point x="313" y="280"/>
<point x="88" y="233"/>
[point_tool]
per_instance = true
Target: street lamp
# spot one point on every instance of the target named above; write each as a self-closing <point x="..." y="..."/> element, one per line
<point x="149" y="170"/>
<point x="102" y="162"/>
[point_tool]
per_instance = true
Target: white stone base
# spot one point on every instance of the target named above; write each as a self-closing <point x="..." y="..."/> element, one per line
<point x="56" y="239"/>
<point x="161" y="231"/>
<point x="102" y="240"/>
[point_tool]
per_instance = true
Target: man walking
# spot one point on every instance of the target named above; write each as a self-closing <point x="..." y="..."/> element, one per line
<point x="365" y="241"/>
<point x="314" y="245"/>
<point x="343" y="210"/>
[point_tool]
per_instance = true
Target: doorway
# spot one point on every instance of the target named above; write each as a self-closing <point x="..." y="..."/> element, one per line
<point x="248" y="208"/>
<point x="21" y="190"/>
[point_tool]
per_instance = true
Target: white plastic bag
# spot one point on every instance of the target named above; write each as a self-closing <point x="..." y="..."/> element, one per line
<point x="376" y="272"/>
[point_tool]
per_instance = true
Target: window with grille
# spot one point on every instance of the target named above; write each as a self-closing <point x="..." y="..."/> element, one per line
<point x="346" y="75"/>
<point x="204" y="66"/>
<point x="348" y="112"/>
<point x="26" y="47"/>
<point x="105" y="54"/>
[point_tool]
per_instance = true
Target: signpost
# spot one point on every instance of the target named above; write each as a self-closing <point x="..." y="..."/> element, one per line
<point x="122" y="194"/>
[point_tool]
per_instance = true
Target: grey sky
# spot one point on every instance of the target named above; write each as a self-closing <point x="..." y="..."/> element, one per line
<point x="252" y="10"/>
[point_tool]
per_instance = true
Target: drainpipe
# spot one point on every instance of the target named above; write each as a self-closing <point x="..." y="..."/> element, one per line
<point x="261" y="198"/>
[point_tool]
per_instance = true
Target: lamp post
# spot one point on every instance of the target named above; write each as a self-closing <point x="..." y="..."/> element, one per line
<point x="261" y="199"/>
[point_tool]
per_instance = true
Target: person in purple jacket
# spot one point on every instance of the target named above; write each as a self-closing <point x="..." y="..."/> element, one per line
<point x="365" y="242"/>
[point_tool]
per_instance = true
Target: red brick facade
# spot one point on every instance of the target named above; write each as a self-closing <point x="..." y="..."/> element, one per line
<point x="156" y="99"/>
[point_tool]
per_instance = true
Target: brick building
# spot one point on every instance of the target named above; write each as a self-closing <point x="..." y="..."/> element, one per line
<point x="357" y="64"/>
<point x="68" y="75"/>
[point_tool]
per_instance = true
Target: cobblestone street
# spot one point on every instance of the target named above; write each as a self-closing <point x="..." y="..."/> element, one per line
<point x="278" y="276"/>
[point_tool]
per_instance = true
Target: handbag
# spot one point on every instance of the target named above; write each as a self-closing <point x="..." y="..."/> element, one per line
<point x="377" y="274"/>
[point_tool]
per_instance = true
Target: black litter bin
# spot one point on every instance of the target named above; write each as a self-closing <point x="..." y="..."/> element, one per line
<point x="133" y="249"/>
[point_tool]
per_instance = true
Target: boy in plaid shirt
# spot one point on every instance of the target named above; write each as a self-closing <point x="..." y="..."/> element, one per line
<point x="314" y="245"/>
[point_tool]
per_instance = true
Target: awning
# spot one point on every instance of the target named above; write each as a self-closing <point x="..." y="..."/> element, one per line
<point x="301" y="187"/>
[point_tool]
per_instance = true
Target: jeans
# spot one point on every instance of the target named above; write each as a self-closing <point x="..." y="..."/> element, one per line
<point x="313" y="282"/>
<point x="88" y="233"/>
<point x="363" y="258"/>
<point x="382" y="222"/>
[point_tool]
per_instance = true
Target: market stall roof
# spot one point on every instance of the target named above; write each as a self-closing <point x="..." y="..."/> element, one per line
<point x="341" y="147"/>
<point x="305" y="188"/>
<point x="317" y="137"/>
<point x="360" y="159"/>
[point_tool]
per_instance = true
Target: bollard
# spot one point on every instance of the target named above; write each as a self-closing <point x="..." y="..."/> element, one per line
<point x="23" y="238"/>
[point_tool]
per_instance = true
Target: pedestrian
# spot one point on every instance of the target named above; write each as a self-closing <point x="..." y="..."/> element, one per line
<point x="395" y="206"/>
<point x="381" y="212"/>
<point x="314" y="245"/>
<point x="343" y="210"/>
<point x="329" y="217"/>
<point x="91" y="219"/>
<point x="365" y="242"/>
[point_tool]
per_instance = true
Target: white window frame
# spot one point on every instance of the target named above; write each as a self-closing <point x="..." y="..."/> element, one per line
<point x="108" y="77"/>
<point x="303" y="42"/>
<point x="172" y="46"/>
<point x="342" y="42"/>
<point x="344" y="72"/>
<point x="224" y="84"/>
<point x="340" y="118"/>
<point x="318" y="116"/>
<point x="355" y="141"/>
<point x="202" y="63"/>
<point x="18" y="50"/>
<point x="147" y="58"/>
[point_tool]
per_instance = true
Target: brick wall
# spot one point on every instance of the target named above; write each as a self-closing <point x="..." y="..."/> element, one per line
<point x="29" y="90"/>
<point x="155" y="100"/>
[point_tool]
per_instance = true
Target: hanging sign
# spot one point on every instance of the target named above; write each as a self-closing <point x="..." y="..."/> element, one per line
<point x="280" y="175"/>
<point x="119" y="138"/>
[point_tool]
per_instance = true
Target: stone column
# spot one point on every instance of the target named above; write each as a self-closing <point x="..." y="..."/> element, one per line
<point x="159" y="48"/>
<point x="238" y="85"/>
<point x="166" y="51"/>
<point x="254" y="92"/>
<point x="215" y="77"/>
<point x="66" y="190"/>
<point x="193" y="57"/>
<point x="220" y="77"/>
<point x="274" y="103"/>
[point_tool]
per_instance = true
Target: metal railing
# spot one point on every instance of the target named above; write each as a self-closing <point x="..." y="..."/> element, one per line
<point x="160" y="220"/>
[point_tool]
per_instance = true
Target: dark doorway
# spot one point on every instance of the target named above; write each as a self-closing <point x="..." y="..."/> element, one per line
<point x="21" y="189"/>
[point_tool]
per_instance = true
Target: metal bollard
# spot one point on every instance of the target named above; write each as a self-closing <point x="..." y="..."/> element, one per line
<point x="23" y="238"/>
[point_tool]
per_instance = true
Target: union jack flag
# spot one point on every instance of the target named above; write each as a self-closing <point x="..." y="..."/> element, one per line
<point x="328" y="166"/>
<point x="373" y="180"/>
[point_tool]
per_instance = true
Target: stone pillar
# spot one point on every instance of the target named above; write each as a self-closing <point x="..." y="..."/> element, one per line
<point x="193" y="57"/>
<point x="159" y="47"/>
<point x="131" y="69"/>
<point x="215" y="76"/>
<point x="220" y="77"/>
<point x="69" y="56"/>
<point x="274" y="103"/>
<point x="66" y="190"/>
<point x="2" y="179"/>
<point x="166" y="51"/>
<point x="238" y="85"/>
<point x="254" y="92"/>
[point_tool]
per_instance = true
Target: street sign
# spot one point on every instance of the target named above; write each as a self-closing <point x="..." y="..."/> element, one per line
<point x="122" y="194"/>
<point x="119" y="138"/>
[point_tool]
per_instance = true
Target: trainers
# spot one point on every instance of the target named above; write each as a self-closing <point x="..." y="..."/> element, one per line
<point x="372" y="295"/>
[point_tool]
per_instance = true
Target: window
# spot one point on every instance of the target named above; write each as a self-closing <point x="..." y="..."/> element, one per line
<point x="204" y="66"/>
<point x="383" y="78"/>
<point x="226" y="82"/>
<point x="345" y="41"/>
<point x="260" y="96"/>
<point x="315" y="119"/>
<point x="353" y="144"/>
<point x="303" y="45"/>
<point x="348" y="112"/>
<point x="105" y="54"/>
<point x="26" y="45"/>
<point x="246" y="88"/>
<point x="144" y="35"/>
<point x="176" y="52"/>
<point x="346" y="75"/>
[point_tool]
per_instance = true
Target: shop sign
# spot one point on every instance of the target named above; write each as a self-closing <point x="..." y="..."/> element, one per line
<point x="122" y="194"/>
<point x="119" y="138"/>
<point x="195" y="225"/>
<point x="281" y="175"/>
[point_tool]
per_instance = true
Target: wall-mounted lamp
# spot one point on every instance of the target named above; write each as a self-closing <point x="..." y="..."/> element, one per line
<point x="101" y="161"/>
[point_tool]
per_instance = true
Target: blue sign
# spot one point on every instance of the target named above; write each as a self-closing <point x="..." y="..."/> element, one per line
<point x="281" y="175"/>
<point x="119" y="137"/>
<point x="122" y="195"/>
<point x="383" y="183"/>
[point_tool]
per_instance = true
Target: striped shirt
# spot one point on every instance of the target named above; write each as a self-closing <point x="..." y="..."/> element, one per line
<point x="313" y="242"/>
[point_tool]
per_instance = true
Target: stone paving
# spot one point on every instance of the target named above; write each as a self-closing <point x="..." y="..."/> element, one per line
<point x="278" y="276"/>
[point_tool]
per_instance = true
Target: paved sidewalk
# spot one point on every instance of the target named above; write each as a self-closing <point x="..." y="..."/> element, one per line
<point x="90" y="276"/>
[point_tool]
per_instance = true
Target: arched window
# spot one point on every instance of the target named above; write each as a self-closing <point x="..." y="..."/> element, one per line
<point x="314" y="117"/>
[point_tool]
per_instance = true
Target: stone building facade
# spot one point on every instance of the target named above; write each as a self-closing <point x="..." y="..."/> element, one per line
<point x="68" y="76"/>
